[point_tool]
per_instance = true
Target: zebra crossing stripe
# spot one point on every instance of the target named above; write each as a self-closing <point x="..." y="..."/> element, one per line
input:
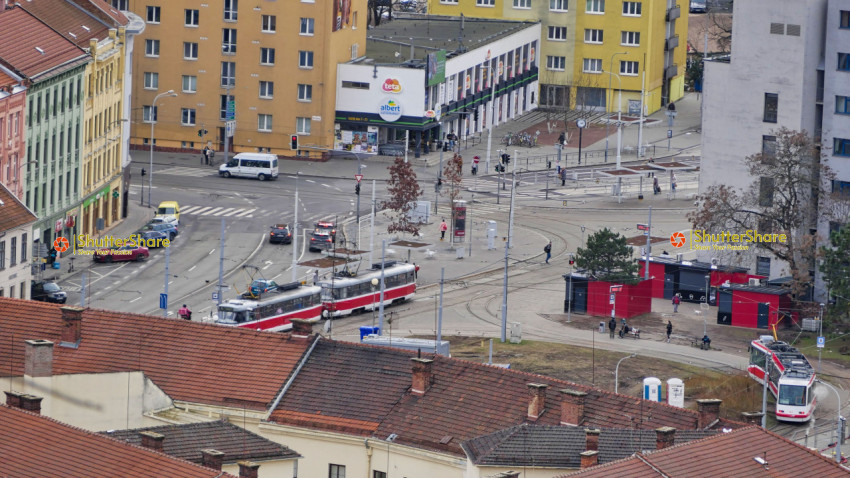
<point x="243" y="214"/>
<point x="189" y="209"/>
<point x="224" y="211"/>
<point x="215" y="210"/>
<point x="235" y="210"/>
<point x="203" y="210"/>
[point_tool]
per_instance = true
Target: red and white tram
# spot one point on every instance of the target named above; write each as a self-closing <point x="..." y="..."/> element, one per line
<point x="275" y="309"/>
<point x="790" y="378"/>
<point x="346" y="295"/>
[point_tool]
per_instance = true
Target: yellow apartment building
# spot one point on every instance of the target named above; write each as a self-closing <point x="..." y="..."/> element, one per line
<point x="276" y="61"/>
<point x="642" y="43"/>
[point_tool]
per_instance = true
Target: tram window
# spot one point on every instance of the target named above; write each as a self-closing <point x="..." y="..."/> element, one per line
<point x="757" y="357"/>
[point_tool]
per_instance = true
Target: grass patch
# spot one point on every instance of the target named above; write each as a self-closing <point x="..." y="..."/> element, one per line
<point x="739" y="393"/>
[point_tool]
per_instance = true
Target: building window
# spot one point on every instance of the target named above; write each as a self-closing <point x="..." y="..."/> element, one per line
<point x="844" y="21"/>
<point x="121" y="4"/>
<point x="267" y="56"/>
<point x="357" y="85"/>
<point x="305" y="59"/>
<point x="841" y="147"/>
<point x="485" y="3"/>
<point x="558" y="5"/>
<point x="841" y="188"/>
<point x="267" y="89"/>
<point x="13" y="252"/>
<point x="190" y="51"/>
<point x="230" y="7"/>
<point x="557" y="63"/>
<point x="3" y="255"/>
<point x="592" y="65"/>
<point x="557" y="33"/>
<point x="629" y="68"/>
<point x="302" y="125"/>
<point x="191" y="18"/>
<point x="771" y="104"/>
<point x="151" y="47"/>
<point x="269" y="23"/>
<point x="763" y="266"/>
<point x="228" y="41"/>
<point x="630" y="38"/>
<point x="595" y="6"/>
<point x="766" y="186"/>
<point x="844" y="61"/>
<point x="842" y="105"/>
<point x="147" y="117"/>
<point x="222" y="107"/>
<point x="228" y="73"/>
<point x="441" y="1"/>
<point x="305" y="92"/>
<point x="190" y="84"/>
<point x="151" y="80"/>
<point x="153" y="14"/>
<point x="307" y="26"/>
<point x="24" y="257"/>
<point x="379" y="474"/>
<point x="631" y="9"/>
<point x="187" y="117"/>
<point x="768" y="149"/>
<point x="592" y="35"/>
<point x="336" y="471"/>
<point x="264" y="123"/>
<point x="522" y="3"/>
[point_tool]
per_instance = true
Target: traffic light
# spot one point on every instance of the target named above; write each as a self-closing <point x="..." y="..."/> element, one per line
<point x="357" y="189"/>
<point x="439" y="185"/>
<point x="144" y="172"/>
<point x="506" y="158"/>
<point x="293" y="142"/>
<point x="572" y="259"/>
<point x="202" y="132"/>
<point x="475" y="114"/>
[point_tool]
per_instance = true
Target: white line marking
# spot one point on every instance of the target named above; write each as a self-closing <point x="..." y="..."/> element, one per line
<point x="171" y="282"/>
<point x="311" y="181"/>
<point x="192" y="268"/>
<point x="243" y="214"/>
<point x="267" y="266"/>
<point x="212" y="213"/>
<point x="202" y="210"/>
<point x="224" y="211"/>
<point x="275" y="277"/>
<point x="211" y="251"/>
<point x="326" y="185"/>
<point x="232" y="212"/>
<point x="189" y="209"/>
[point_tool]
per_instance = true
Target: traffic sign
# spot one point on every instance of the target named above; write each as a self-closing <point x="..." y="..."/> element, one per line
<point x="358" y="177"/>
<point x="642" y="227"/>
<point x="163" y="301"/>
<point x="230" y="110"/>
<point x="215" y="296"/>
<point x="611" y="300"/>
<point x="821" y="342"/>
<point x="229" y="128"/>
<point x="616" y="288"/>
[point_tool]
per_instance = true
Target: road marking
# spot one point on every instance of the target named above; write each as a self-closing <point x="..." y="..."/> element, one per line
<point x="203" y="210"/>
<point x="192" y="268"/>
<point x="326" y="185"/>
<point x="267" y="266"/>
<point x="246" y="213"/>
<point x="211" y="251"/>
<point x="212" y="213"/>
<point x="171" y="282"/>
<point x="232" y="212"/>
<point x="275" y="277"/>
<point x="226" y="210"/>
<point x="137" y="298"/>
<point x="311" y="181"/>
<point x="189" y="209"/>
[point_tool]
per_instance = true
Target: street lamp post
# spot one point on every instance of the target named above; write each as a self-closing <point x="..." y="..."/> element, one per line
<point x="492" y="114"/>
<point x="608" y="121"/>
<point x="838" y="431"/>
<point x="617" y="371"/>
<point x="619" y="117"/>
<point x="153" y="122"/>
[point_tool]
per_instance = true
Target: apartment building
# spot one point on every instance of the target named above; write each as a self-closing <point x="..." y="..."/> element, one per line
<point x="15" y="234"/>
<point x="271" y="63"/>
<point x="637" y="42"/>
<point x="789" y="67"/>
<point x="13" y="97"/>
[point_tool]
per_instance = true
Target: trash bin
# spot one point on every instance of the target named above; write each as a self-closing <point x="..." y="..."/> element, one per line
<point x="601" y="327"/>
<point x="55" y="265"/>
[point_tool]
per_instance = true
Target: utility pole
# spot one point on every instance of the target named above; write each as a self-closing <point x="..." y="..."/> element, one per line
<point x="648" y="245"/>
<point x="295" y="233"/>
<point x="383" y="287"/>
<point x="372" y="227"/>
<point x="640" y="123"/>
<point x="167" y="261"/>
<point x="440" y="313"/>
<point x="221" y="262"/>
<point x="227" y="117"/>
<point x="764" y="395"/>
<point x="505" y="298"/>
<point x="511" y="212"/>
<point x="357" y="187"/>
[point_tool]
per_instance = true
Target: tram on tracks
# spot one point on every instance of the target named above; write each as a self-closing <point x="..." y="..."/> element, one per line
<point x="790" y="377"/>
<point x="346" y="294"/>
<point x="273" y="310"/>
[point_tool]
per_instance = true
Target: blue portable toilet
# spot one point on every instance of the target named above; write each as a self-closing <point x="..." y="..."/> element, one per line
<point x="369" y="330"/>
<point x="652" y="389"/>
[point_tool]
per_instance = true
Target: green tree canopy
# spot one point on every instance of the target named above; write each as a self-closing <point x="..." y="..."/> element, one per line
<point x="607" y="257"/>
<point x="836" y="272"/>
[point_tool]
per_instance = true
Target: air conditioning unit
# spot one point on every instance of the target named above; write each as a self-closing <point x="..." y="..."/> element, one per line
<point x="754" y="281"/>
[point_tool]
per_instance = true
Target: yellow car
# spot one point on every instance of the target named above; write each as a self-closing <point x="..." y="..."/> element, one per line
<point x="168" y="211"/>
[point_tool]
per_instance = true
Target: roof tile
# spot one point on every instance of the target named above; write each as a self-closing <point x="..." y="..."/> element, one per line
<point x="13" y="213"/>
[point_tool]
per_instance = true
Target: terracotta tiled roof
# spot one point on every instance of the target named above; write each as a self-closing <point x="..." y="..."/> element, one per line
<point x="559" y="446"/>
<point x="190" y="361"/>
<point x="187" y="441"/>
<point x="13" y="213"/>
<point x="45" y="52"/>
<point x="466" y="400"/>
<point x="103" y="11"/>
<point x="34" y="446"/>
<point x="725" y="455"/>
<point x="6" y="80"/>
<point x="69" y="19"/>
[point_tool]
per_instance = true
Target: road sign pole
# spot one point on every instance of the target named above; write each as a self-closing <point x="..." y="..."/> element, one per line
<point x="167" y="260"/>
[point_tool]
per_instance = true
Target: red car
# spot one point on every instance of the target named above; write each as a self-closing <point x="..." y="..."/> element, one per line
<point x="123" y="253"/>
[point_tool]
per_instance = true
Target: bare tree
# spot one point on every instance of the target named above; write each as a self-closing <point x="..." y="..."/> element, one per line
<point x="404" y="190"/>
<point x="453" y="175"/>
<point x="782" y="199"/>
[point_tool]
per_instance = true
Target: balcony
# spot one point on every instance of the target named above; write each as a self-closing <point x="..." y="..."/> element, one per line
<point x="671" y="43"/>
<point x="671" y="71"/>
<point x="673" y="13"/>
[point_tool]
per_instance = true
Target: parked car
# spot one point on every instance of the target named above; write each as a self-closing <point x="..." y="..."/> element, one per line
<point x="123" y="253"/>
<point x="327" y="226"/>
<point x="166" y="227"/>
<point x="321" y="240"/>
<point x="280" y="234"/>
<point x="153" y="238"/>
<point x="168" y="211"/>
<point x="47" y="291"/>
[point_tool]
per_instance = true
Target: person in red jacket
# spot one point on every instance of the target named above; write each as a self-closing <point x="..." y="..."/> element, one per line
<point x="185" y="313"/>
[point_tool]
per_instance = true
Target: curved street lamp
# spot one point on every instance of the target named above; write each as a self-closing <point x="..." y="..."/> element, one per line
<point x="617" y="371"/>
<point x="153" y="116"/>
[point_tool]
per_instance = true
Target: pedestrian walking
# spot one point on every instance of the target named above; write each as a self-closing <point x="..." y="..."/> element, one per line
<point x="669" y="330"/>
<point x="563" y="176"/>
<point x="612" y="326"/>
<point x="443" y="228"/>
<point x="316" y="277"/>
<point x="548" y="250"/>
<point x="677" y="299"/>
<point x="673" y="182"/>
<point x="205" y="155"/>
<point x="655" y="187"/>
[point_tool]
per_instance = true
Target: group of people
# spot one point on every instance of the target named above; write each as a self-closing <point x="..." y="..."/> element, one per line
<point x="207" y="155"/>
<point x="624" y="330"/>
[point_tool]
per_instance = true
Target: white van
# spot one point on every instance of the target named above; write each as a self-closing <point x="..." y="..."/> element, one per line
<point x="251" y="165"/>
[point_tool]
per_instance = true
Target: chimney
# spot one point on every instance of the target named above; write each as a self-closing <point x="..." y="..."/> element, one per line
<point x="72" y="318"/>
<point x="31" y="403"/>
<point x="591" y="439"/>
<point x="152" y="440"/>
<point x="572" y="407"/>
<point x="212" y="459"/>
<point x="421" y="376"/>
<point x="248" y="469"/>
<point x="537" y="400"/>
<point x="753" y="418"/>
<point x="13" y="399"/>
<point x="664" y="437"/>
<point x="589" y="458"/>
<point x="38" y="358"/>
<point x="709" y="412"/>
<point x="301" y="328"/>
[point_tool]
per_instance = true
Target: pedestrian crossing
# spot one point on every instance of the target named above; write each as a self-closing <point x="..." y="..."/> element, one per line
<point x="213" y="211"/>
<point x="185" y="171"/>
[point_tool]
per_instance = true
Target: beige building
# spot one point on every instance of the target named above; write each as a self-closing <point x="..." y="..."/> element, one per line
<point x="275" y="60"/>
